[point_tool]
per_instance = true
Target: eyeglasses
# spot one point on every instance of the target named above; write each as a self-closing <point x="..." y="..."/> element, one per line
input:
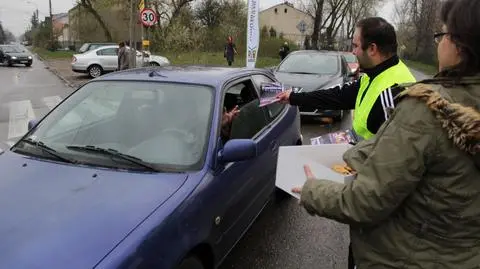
<point x="437" y="37"/>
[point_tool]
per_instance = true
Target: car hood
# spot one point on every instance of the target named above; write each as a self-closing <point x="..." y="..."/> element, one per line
<point x="64" y="216"/>
<point x="308" y="82"/>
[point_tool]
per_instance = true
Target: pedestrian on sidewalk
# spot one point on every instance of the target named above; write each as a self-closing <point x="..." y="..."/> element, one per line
<point x="415" y="202"/>
<point x="123" y="59"/>
<point x="230" y="51"/>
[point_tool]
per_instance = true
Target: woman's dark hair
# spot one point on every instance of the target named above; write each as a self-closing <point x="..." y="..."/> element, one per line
<point x="377" y="30"/>
<point x="462" y="18"/>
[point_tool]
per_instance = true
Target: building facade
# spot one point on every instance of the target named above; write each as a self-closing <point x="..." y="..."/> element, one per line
<point x="288" y="21"/>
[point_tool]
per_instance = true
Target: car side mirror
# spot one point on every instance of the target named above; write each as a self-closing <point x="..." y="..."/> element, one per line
<point x="238" y="150"/>
<point x="32" y="124"/>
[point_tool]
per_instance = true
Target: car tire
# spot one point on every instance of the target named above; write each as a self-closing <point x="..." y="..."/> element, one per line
<point x="9" y="64"/>
<point x="28" y="65"/>
<point x="95" y="71"/>
<point x="154" y="64"/>
<point x="191" y="262"/>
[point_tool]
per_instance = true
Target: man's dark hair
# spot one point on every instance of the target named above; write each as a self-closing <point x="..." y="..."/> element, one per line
<point x="462" y="18"/>
<point x="121" y="44"/>
<point x="377" y="30"/>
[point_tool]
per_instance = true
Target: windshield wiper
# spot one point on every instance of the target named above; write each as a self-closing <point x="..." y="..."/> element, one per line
<point x="47" y="149"/>
<point x="113" y="153"/>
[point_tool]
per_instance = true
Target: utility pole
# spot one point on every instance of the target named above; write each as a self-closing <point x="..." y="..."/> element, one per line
<point x="51" y="25"/>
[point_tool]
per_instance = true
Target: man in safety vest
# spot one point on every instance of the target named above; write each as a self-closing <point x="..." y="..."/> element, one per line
<point x="375" y="46"/>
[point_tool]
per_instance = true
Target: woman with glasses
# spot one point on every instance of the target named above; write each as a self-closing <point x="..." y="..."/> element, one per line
<point x="415" y="202"/>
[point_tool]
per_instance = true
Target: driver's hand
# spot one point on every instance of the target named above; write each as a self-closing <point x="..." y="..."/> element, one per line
<point x="228" y="117"/>
<point x="284" y="97"/>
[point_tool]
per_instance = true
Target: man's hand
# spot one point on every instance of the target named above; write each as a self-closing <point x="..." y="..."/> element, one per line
<point x="284" y="97"/>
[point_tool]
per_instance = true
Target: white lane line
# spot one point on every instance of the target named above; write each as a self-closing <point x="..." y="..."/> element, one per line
<point x="52" y="101"/>
<point x="21" y="112"/>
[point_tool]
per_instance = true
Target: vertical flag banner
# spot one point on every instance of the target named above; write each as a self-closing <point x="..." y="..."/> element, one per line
<point x="253" y="33"/>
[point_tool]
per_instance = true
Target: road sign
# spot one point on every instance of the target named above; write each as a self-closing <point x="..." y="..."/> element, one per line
<point x="302" y="26"/>
<point x="148" y="17"/>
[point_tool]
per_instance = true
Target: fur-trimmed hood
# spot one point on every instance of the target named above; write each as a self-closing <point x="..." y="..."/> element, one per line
<point x="461" y="122"/>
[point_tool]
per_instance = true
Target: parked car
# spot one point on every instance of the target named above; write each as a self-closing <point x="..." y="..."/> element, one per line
<point x="352" y="62"/>
<point x="15" y="54"/>
<point x="131" y="171"/>
<point x="90" y="46"/>
<point x="309" y="70"/>
<point x="105" y="59"/>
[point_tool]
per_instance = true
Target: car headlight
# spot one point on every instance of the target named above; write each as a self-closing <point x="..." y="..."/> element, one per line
<point x="13" y="58"/>
<point x="29" y="57"/>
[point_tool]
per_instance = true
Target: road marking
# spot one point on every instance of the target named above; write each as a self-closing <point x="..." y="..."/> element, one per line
<point x="52" y="101"/>
<point x="21" y="112"/>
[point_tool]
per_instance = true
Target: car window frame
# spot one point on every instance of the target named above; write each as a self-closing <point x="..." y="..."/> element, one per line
<point x="273" y="118"/>
<point x="224" y="89"/>
<point x="104" y="49"/>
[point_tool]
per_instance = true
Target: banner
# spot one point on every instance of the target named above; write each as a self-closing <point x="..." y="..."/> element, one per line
<point x="253" y="33"/>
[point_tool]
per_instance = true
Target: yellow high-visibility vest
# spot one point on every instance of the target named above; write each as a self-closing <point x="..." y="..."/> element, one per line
<point x="397" y="74"/>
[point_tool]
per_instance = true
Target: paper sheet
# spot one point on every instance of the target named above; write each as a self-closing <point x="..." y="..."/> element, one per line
<point x="320" y="158"/>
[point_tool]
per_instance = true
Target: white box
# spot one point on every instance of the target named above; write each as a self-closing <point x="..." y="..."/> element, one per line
<point x="320" y="158"/>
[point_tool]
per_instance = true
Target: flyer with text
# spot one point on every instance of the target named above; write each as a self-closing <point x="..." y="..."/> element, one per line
<point x="340" y="137"/>
<point x="269" y="91"/>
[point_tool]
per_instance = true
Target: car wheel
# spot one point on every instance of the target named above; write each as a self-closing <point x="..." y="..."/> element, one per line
<point x="28" y="65"/>
<point x="10" y="64"/>
<point x="95" y="71"/>
<point x="191" y="262"/>
<point x="154" y="64"/>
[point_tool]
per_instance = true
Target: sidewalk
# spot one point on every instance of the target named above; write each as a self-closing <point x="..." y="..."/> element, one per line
<point x="63" y="69"/>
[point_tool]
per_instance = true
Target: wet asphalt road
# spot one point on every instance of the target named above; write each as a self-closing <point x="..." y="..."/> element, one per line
<point x="284" y="235"/>
<point x="26" y="93"/>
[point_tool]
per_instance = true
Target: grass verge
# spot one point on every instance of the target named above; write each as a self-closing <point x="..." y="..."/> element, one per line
<point x="424" y="68"/>
<point x="52" y="55"/>
<point x="215" y="58"/>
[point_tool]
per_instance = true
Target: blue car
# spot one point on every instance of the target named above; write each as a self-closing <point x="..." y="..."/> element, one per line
<point x="135" y="170"/>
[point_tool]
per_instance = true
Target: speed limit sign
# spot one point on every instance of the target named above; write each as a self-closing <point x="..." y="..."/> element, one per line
<point x="148" y="17"/>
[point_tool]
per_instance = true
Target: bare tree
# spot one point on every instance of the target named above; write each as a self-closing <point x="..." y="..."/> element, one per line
<point x="89" y="5"/>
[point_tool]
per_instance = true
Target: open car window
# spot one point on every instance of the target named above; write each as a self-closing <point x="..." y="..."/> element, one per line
<point x="252" y="118"/>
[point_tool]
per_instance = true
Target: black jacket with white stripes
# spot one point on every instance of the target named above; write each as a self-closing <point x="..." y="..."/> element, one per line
<point x="343" y="98"/>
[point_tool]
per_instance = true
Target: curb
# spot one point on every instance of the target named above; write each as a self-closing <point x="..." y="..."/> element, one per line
<point x="55" y="72"/>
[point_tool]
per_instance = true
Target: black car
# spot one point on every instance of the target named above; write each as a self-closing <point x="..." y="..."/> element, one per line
<point x="13" y="54"/>
<point x="309" y="70"/>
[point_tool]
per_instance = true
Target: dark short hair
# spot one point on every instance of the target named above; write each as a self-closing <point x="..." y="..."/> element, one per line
<point x="377" y="30"/>
<point x="462" y="18"/>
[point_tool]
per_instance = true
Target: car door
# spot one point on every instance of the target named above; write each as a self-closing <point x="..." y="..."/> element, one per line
<point x="244" y="187"/>
<point x="108" y="58"/>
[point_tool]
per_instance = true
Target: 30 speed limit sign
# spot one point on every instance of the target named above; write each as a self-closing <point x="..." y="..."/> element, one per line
<point x="148" y="17"/>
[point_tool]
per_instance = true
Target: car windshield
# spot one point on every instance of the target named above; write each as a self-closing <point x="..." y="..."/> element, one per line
<point x="164" y="125"/>
<point x="310" y="63"/>
<point x="350" y="58"/>
<point x="10" y="49"/>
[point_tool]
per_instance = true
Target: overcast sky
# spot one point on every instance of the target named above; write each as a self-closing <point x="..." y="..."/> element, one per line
<point x="15" y="14"/>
